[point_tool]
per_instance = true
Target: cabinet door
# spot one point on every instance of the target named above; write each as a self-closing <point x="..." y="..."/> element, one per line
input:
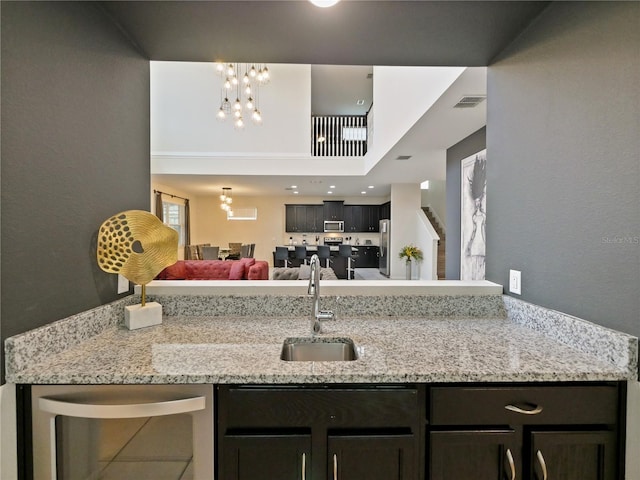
<point x="580" y="455"/>
<point x="478" y="455"/>
<point x="318" y="218"/>
<point x="265" y="457"/>
<point x="371" y="218"/>
<point x="290" y="218"/>
<point x="372" y="457"/>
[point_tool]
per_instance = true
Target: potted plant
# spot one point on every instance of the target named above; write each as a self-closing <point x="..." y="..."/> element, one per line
<point x="410" y="252"/>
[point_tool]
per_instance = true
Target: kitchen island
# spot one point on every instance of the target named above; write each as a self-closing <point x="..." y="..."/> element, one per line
<point x="223" y="332"/>
<point x="455" y="344"/>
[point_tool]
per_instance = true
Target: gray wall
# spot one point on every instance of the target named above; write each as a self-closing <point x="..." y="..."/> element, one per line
<point x="474" y="143"/>
<point x="563" y="162"/>
<point x="75" y="149"/>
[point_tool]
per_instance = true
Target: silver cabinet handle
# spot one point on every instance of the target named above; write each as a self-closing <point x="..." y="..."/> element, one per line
<point x="543" y="464"/>
<point x="512" y="465"/>
<point x="304" y="466"/>
<point x="534" y="411"/>
<point x="335" y="467"/>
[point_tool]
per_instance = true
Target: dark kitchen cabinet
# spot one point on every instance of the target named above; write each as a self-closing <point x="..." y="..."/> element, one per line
<point x="266" y="457"/>
<point x="361" y="218"/>
<point x="333" y="210"/>
<point x="567" y="432"/>
<point x="352" y="218"/>
<point x="385" y="211"/>
<point x="358" y="433"/>
<point x="480" y="454"/>
<point x="367" y="457"/>
<point x="368" y="256"/>
<point x="370" y="218"/>
<point x="304" y="218"/>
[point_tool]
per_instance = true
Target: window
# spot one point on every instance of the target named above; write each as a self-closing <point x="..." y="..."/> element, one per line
<point x="173" y="214"/>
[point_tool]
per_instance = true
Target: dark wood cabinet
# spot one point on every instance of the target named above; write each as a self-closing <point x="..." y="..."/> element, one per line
<point x="310" y="218"/>
<point x="361" y="218"/>
<point x="385" y="211"/>
<point x="266" y="457"/>
<point x="352" y="218"/>
<point x="367" y="457"/>
<point x="567" y="432"/>
<point x="304" y="218"/>
<point x="333" y="210"/>
<point x="360" y="433"/>
<point x="370" y="218"/>
<point x="477" y="454"/>
<point x="368" y="256"/>
<point x="572" y="455"/>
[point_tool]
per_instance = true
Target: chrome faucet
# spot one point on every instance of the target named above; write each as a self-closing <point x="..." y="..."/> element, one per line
<point x="317" y="315"/>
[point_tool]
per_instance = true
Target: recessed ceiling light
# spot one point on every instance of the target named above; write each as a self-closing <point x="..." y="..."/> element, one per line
<point x="295" y="193"/>
<point x="330" y="192"/>
<point x="294" y="186"/>
<point x="332" y="186"/>
<point x="424" y="185"/>
<point x="363" y="192"/>
<point x="360" y="102"/>
<point x="324" y="3"/>
<point x="370" y="186"/>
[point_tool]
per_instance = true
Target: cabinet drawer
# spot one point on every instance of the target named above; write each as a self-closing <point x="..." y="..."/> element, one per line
<point x="247" y="407"/>
<point x="524" y="405"/>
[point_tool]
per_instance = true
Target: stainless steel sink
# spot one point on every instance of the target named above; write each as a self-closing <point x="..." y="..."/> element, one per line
<point x="318" y="349"/>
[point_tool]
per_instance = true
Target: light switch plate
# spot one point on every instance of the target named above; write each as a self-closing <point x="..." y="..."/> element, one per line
<point x="515" y="284"/>
<point x="123" y="284"/>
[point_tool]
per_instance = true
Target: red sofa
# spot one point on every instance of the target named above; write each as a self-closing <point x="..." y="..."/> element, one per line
<point x="243" y="269"/>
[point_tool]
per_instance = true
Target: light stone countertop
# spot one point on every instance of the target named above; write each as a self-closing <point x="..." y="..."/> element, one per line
<point x="245" y="350"/>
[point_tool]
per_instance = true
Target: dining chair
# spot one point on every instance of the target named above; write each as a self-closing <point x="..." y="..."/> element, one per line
<point x="210" y="253"/>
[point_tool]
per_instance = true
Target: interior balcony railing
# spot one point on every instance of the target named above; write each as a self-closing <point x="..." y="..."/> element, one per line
<point x="339" y="135"/>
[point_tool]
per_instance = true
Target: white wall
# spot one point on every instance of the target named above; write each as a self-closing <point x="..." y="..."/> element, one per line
<point x="435" y="197"/>
<point x="401" y="96"/>
<point x="185" y="98"/>
<point x="405" y="200"/>
<point x="8" y="441"/>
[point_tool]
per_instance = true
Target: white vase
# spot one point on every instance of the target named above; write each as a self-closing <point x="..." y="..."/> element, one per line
<point x="408" y="267"/>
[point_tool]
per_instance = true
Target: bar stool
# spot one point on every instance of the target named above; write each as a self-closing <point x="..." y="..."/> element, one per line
<point x="282" y="253"/>
<point x="301" y="253"/>
<point x="345" y="251"/>
<point x="324" y="251"/>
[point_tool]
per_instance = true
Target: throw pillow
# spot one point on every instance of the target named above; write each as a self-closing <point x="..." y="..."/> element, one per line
<point x="305" y="272"/>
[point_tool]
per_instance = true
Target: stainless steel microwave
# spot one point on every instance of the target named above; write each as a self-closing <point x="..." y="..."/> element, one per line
<point x="333" y="226"/>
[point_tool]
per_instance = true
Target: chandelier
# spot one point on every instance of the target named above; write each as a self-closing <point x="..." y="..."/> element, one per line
<point x="242" y="81"/>
<point x="226" y="200"/>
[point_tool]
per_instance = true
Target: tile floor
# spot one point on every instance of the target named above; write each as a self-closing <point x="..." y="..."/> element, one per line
<point x="158" y="448"/>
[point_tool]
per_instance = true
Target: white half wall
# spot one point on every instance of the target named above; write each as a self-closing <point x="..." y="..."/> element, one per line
<point x="405" y="201"/>
<point x="8" y="439"/>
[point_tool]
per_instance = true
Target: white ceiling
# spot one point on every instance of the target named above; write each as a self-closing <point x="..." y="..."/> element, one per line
<point x="353" y="33"/>
<point x="441" y="127"/>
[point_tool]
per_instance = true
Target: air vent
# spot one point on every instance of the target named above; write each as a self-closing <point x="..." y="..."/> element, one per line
<point x="403" y="157"/>
<point x="369" y="76"/>
<point x="470" y="101"/>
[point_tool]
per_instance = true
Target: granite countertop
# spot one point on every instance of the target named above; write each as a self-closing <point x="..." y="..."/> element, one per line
<point x="189" y="349"/>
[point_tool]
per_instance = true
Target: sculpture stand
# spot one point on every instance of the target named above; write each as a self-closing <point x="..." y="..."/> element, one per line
<point x="143" y="314"/>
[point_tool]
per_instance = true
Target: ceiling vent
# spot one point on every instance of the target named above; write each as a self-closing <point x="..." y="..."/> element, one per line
<point x="369" y="76"/>
<point x="470" y="101"/>
<point x="403" y="157"/>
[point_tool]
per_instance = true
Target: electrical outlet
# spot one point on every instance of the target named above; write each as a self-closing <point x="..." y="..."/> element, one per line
<point x="123" y="284"/>
<point x="515" y="284"/>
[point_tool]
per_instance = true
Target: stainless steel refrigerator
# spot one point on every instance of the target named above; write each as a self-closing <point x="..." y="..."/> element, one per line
<point x="385" y="257"/>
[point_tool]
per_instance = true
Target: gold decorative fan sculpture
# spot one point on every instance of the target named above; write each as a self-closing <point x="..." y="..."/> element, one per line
<point x="137" y="245"/>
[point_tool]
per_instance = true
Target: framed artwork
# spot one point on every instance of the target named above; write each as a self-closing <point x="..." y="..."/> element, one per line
<point x="473" y="216"/>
